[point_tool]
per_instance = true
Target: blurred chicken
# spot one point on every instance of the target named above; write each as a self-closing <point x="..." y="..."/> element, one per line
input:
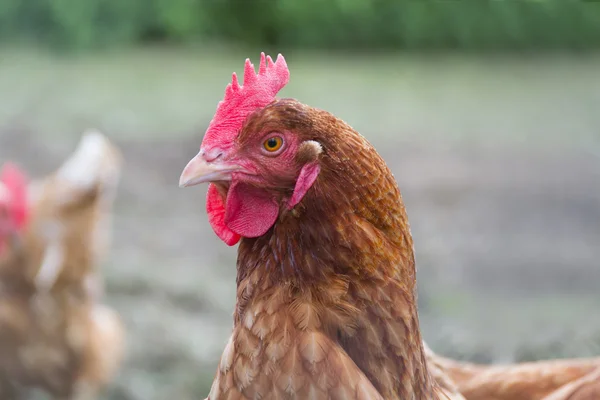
<point x="525" y="381"/>
<point x="54" y="333"/>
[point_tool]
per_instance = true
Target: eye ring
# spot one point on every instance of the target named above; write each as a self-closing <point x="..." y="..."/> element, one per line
<point x="273" y="144"/>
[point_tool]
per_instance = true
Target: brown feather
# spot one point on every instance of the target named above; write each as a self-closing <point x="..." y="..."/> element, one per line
<point x="584" y="388"/>
<point x="525" y="381"/>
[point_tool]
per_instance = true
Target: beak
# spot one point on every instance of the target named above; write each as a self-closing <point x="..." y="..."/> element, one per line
<point x="198" y="170"/>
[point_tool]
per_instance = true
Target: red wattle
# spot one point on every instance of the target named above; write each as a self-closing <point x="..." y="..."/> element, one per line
<point x="250" y="211"/>
<point x="215" y="207"/>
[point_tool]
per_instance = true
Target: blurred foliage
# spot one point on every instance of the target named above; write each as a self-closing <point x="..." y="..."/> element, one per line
<point x="343" y="24"/>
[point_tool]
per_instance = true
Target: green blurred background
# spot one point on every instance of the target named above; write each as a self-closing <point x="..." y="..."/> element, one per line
<point x="334" y="24"/>
<point x="488" y="113"/>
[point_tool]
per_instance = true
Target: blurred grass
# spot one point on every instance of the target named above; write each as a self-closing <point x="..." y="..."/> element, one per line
<point x="165" y="93"/>
<point x="497" y="157"/>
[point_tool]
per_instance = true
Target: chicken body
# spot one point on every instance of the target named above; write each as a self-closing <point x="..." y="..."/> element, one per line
<point x="326" y="305"/>
<point x="54" y="333"/>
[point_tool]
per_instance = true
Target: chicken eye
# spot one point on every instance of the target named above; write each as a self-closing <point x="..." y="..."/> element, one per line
<point x="273" y="143"/>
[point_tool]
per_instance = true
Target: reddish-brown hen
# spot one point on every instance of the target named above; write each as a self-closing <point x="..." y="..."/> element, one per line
<point x="326" y="305"/>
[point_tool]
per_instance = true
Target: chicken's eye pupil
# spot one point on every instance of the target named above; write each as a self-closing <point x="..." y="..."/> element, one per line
<point x="272" y="143"/>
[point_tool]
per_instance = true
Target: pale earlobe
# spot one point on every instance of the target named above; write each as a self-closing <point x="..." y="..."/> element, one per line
<point x="309" y="151"/>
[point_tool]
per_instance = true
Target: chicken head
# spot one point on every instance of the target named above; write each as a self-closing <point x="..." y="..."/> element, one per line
<point x="255" y="168"/>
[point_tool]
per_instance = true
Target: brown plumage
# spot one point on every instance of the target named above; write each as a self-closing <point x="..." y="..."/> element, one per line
<point x="54" y="333"/>
<point x="326" y="305"/>
<point x="524" y="381"/>
<point x="584" y="388"/>
<point x="441" y="377"/>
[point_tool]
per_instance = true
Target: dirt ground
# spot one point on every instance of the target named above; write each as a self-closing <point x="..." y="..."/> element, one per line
<point x="506" y="228"/>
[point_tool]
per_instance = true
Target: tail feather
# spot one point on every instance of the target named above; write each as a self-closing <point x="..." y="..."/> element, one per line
<point x="94" y="162"/>
<point x="94" y="167"/>
<point x="86" y="184"/>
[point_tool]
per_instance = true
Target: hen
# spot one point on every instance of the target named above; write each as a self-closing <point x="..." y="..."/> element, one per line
<point x="326" y="303"/>
<point x="54" y="333"/>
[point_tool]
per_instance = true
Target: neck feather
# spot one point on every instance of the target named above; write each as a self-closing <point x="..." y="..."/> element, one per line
<point x="347" y="247"/>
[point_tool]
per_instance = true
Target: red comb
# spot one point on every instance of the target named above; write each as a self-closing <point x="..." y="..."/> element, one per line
<point x="240" y="101"/>
<point x="15" y="182"/>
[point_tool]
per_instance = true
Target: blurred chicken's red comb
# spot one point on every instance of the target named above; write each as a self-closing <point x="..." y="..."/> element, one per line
<point x="257" y="91"/>
<point x="15" y="182"/>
